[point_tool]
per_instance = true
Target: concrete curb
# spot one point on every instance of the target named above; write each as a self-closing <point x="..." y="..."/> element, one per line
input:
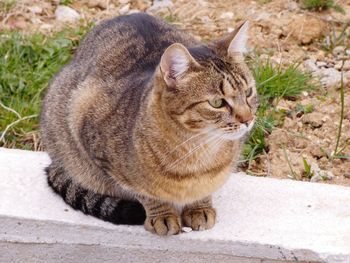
<point x="259" y="220"/>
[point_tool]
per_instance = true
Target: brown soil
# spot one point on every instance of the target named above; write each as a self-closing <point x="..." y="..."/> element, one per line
<point x="281" y="29"/>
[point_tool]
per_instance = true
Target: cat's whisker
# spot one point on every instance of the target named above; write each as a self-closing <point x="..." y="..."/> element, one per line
<point x="216" y="143"/>
<point x="213" y="137"/>
<point x="187" y="140"/>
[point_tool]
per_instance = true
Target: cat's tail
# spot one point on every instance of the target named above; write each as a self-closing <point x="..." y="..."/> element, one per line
<point x="107" y="208"/>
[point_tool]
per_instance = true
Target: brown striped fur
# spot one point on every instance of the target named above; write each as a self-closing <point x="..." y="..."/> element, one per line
<point x="123" y="128"/>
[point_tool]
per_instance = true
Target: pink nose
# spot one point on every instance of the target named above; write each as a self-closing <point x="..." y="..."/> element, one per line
<point x="243" y="114"/>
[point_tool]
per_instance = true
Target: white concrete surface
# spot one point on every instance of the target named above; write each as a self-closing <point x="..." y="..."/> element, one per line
<point x="259" y="220"/>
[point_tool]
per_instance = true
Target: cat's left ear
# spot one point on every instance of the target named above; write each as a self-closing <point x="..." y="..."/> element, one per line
<point x="175" y="63"/>
<point x="235" y="43"/>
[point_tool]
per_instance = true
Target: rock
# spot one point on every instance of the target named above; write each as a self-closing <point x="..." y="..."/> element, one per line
<point x="133" y="11"/>
<point x="186" y="229"/>
<point x="321" y="64"/>
<point x="160" y="5"/>
<point x="320" y="55"/>
<point x="123" y="2"/>
<point x="300" y="143"/>
<point x="102" y="4"/>
<point x="320" y="175"/>
<point x="17" y="22"/>
<point x="305" y="29"/>
<point x="288" y="123"/>
<point x="66" y="14"/>
<point x="338" y="65"/>
<point x="36" y="9"/>
<point x="124" y="10"/>
<point x="346" y="66"/>
<point x="329" y="77"/>
<point x="338" y="50"/>
<point x="316" y="152"/>
<point x="291" y="6"/>
<point x="226" y="16"/>
<point x="314" y="119"/>
<point x="310" y="65"/>
<point x="347" y="175"/>
<point x="261" y="16"/>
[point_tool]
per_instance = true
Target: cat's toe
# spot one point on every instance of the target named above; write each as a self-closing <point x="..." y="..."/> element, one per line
<point x="164" y="225"/>
<point x="199" y="219"/>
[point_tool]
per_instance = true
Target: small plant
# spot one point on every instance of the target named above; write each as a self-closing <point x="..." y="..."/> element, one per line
<point x="333" y="39"/>
<point x="337" y="153"/>
<point x="308" y="173"/>
<point x="273" y="84"/>
<point x="66" y="2"/>
<point x="320" y="5"/>
<point x="6" y="5"/>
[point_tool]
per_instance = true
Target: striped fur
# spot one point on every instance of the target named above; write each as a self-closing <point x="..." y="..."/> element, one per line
<point x="107" y="208"/>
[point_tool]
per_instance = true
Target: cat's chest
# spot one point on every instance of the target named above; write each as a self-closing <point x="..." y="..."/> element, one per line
<point x="188" y="190"/>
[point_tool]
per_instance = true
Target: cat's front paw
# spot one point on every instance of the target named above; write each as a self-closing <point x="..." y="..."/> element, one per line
<point x="163" y="225"/>
<point x="199" y="218"/>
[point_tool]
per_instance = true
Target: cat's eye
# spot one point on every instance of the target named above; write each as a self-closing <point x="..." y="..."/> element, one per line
<point x="249" y="92"/>
<point x="217" y="103"/>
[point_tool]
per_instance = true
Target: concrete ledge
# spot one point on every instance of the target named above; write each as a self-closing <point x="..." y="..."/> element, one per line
<point x="259" y="220"/>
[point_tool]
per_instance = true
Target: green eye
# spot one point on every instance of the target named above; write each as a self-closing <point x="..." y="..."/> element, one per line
<point x="217" y="103"/>
<point x="249" y="92"/>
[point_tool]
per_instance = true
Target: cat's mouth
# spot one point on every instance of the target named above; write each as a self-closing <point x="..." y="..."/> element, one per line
<point x="243" y="130"/>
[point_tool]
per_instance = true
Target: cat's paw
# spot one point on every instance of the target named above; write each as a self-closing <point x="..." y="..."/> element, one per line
<point x="164" y="225"/>
<point x="200" y="218"/>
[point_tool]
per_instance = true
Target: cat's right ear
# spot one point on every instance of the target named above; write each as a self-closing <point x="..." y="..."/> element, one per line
<point x="234" y="43"/>
<point x="175" y="62"/>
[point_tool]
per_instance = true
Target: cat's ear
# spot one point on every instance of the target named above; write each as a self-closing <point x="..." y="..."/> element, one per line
<point x="235" y="42"/>
<point x="175" y="62"/>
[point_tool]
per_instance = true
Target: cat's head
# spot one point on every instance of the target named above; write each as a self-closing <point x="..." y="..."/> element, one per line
<point x="209" y="87"/>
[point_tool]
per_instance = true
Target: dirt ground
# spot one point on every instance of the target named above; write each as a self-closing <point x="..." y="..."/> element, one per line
<point x="280" y="29"/>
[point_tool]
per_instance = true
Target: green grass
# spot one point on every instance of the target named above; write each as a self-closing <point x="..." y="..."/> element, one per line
<point x="319" y="5"/>
<point x="27" y="65"/>
<point x="273" y="84"/>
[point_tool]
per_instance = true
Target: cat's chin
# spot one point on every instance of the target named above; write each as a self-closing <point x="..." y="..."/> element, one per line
<point x="240" y="133"/>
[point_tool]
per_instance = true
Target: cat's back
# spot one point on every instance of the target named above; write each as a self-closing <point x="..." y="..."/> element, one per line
<point x="127" y="44"/>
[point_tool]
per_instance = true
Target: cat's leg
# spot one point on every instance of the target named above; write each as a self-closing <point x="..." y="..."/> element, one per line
<point x="199" y="215"/>
<point x="161" y="218"/>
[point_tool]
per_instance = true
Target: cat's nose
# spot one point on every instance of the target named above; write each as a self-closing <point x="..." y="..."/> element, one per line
<point x="244" y="115"/>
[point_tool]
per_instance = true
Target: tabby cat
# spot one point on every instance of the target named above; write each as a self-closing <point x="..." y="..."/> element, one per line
<point x="145" y="123"/>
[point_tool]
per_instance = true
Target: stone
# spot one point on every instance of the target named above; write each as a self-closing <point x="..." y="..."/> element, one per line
<point x="160" y="5"/>
<point x="102" y="4"/>
<point x="346" y="66"/>
<point x="66" y="14"/>
<point x="227" y="16"/>
<point x="338" y="50"/>
<point x="305" y="29"/>
<point x="124" y="10"/>
<point x="310" y="65"/>
<point x="329" y="77"/>
<point x="321" y="64"/>
<point x="291" y="6"/>
<point x="314" y="119"/>
<point x="319" y="174"/>
<point x="320" y="55"/>
<point x="317" y="152"/>
<point x="36" y="9"/>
